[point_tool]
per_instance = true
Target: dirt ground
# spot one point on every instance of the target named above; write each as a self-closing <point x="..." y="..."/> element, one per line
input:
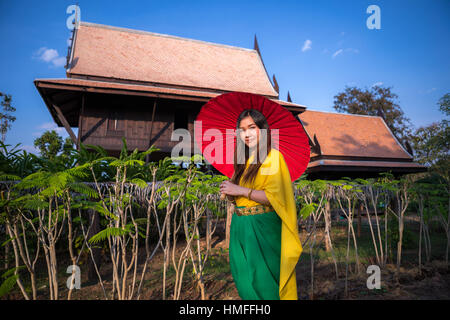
<point x="433" y="282"/>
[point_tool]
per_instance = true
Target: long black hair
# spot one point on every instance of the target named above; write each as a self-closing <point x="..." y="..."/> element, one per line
<point x="241" y="159"/>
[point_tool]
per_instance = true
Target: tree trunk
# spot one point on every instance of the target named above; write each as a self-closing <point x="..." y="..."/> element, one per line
<point x="327" y="227"/>
<point x="7" y="256"/>
<point x="360" y="209"/>
<point x="386" y="232"/>
<point x="94" y="219"/>
<point x="420" y="244"/>
<point x="448" y="235"/>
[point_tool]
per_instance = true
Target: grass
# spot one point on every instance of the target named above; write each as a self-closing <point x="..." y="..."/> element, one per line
<point x="218" y="265"/>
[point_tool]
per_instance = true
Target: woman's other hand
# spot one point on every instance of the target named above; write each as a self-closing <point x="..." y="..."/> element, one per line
<point x="229" y="188"/>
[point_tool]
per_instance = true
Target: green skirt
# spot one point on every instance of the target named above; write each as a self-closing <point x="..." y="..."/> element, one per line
<point x="254" y="251"/>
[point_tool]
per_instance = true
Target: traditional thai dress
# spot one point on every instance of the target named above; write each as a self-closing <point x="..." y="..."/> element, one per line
<point x="265" y="247"/>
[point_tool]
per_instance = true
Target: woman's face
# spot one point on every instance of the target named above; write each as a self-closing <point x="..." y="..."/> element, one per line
<point x="249" y="132"/>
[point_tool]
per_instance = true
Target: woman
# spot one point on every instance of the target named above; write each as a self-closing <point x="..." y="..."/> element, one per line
<point x="264" y="243"/>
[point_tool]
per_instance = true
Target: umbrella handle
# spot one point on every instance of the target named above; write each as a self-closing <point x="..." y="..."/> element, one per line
<point x="223" y="196"/>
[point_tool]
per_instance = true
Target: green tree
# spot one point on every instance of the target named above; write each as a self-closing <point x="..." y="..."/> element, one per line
<point x="432" y="143"/>
<point x="378" y="101"/>
<point x="67" y="147"/>
<point x="444" y="104"/>
<point x="5" y="115"/>
<point x="49" y="144"/>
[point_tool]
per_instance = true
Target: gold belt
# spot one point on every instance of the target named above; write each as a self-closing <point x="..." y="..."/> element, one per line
<point x="248" y="211"/>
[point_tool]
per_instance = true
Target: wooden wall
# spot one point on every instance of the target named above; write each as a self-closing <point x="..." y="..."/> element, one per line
<point x="105" y="119"/>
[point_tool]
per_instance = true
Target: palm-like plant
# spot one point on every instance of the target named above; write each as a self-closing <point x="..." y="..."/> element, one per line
<point x="46" y="198"/>
<point x="115" y="205"/>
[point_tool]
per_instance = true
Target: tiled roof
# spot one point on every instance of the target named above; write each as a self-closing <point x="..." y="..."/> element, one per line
<point x="350" y="135"/>
<point x="151" y="58"/>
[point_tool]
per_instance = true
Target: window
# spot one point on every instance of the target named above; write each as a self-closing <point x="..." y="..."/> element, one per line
<point x="116" y="122"/>
<point x="180" y="119"/>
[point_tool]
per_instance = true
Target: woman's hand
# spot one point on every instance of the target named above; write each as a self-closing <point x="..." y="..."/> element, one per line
<point x="229" y="188"/>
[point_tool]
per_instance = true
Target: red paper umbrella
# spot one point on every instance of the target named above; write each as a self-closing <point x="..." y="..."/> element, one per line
<point x="215" y="131"/>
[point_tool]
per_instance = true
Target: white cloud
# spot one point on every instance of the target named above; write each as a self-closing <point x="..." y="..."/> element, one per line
<point x="307" y="45"/>
<point x="59" y="62"/>
<point x="341" y="51"/>
<point x="427" y="91"/>
<point x="337" y="53"/>
<point x="50" y="56"/>
<point x="49" y="126"/>
<point x="377" y="84"/>
<point x="352" y="50"/>
<point x="30" y="149"/>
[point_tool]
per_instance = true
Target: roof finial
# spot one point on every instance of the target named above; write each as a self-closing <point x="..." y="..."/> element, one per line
<point x="275" y="84"/>
<point x="77" y="9"/>
<point x="255" y="46"/>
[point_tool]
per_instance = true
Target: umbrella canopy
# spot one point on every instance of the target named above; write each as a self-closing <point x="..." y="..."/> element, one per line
<point x="215" y="131"/>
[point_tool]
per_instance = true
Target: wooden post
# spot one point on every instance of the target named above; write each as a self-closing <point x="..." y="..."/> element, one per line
<point x="80" y="122"/>
<point x="230" y="210"/>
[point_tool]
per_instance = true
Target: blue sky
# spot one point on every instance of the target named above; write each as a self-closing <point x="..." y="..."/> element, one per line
<point x="315" y="48"/>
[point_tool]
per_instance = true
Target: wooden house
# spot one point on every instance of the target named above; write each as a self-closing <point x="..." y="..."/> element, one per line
<point x="142" y="85"/>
